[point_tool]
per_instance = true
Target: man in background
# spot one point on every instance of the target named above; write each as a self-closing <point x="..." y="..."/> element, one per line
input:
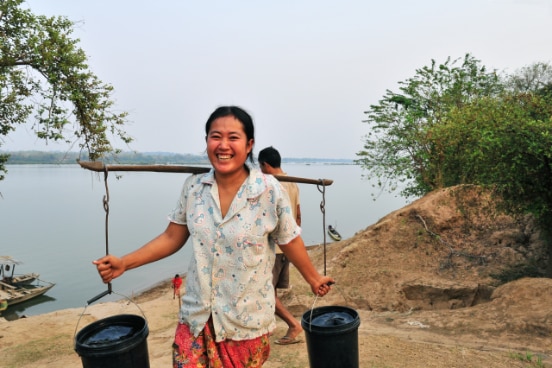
<point x="270" y="162"/>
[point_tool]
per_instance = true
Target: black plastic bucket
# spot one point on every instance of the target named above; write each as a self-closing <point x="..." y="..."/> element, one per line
<point x="332" y="336"/>
<point x="114" y="342"/>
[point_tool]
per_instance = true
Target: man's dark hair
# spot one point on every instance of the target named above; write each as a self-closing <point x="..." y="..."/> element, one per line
<point x="271" y="156"/>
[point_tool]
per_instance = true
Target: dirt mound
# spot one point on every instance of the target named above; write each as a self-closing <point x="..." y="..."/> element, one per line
<point x="443" y="263"/>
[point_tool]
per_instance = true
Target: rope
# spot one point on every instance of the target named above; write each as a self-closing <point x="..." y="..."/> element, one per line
<point x="323" y="210"/>
<point x="312" y="309"/>
<point x="106" y="209"/>
<point x="347" y="302"/>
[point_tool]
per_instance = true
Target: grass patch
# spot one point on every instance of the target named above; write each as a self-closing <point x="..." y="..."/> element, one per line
<point x="534" y="360"/>
<point x="36" y="350"/>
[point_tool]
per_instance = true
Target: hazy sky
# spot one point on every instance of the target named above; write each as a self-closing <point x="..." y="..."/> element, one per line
<point x="305" y="70"/>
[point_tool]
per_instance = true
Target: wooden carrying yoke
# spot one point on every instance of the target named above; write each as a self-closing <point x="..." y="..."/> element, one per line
<point x="100" y="167"/>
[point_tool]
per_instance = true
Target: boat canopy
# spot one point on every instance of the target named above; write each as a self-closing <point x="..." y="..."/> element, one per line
<point x="7" y="260"/>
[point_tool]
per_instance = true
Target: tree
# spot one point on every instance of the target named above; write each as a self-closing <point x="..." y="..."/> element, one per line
<point x="399" y="148"/>
<point x="532" y="78"/>
<point x="463" y="125"/>
<point x="44" y="78"/>
<point x="504" y="143"/>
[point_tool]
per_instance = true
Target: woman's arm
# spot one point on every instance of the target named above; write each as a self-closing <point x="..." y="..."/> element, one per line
<point x="167" y="243"/>
<point x="296" y="252"/>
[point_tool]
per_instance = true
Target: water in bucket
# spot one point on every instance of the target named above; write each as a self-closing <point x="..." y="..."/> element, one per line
<point x="114" y="342"/>
<point x="332" y="336"/>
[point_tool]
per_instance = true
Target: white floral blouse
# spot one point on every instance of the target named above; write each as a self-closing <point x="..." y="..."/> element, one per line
<point x="230" y="272"/>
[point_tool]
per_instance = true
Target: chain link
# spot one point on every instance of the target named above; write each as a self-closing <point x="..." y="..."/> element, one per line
<point x="106" y="209"/>
<point x="322" y="189"/>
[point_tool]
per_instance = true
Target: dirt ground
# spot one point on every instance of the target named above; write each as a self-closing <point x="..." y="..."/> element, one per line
<point x="428" y="283"/>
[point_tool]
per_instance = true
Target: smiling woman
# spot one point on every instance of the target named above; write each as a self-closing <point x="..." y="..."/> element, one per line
<point x="229" y="144"/>
<point x="234" y="217"/>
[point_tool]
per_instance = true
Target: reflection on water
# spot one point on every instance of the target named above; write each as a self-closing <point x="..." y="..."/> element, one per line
<point x="18" y="311"/>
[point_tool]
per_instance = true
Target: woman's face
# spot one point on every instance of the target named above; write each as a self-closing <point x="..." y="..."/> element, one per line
<point x="227" y="145"/>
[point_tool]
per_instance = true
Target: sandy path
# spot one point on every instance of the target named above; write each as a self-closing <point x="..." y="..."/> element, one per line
<point x="46" y="341"/>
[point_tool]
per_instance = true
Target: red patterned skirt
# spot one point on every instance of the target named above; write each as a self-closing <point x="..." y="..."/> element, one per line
<point x="204" y="351"/>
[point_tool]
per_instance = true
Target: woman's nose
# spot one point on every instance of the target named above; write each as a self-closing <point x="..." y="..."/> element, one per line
<point x="223" y="143"/>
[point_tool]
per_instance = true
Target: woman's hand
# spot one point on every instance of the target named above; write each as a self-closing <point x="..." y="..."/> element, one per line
<point x="109" y="267"/>
<point x="165" y="244"/>
<point x="322" y="286"/>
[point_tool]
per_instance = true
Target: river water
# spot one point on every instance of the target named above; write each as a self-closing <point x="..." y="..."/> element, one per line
<point x="53" y="220"/>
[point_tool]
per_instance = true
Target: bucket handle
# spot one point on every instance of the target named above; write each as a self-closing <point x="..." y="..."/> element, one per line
<point x="312" y="307"/>
<point x="97" y="297"/>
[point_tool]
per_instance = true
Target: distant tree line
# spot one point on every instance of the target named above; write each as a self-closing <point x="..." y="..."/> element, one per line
<point x="149" y="158"/>
<point x="136" y="158"/>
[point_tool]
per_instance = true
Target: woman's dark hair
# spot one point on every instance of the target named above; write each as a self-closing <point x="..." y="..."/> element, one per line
<point x="241" y="115"/>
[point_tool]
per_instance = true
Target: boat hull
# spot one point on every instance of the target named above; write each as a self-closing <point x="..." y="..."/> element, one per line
<point x="14" y="295"/>
<point x="20" y="280"/>
<point x="332" y="232"/>
<point x="335" y="237"/>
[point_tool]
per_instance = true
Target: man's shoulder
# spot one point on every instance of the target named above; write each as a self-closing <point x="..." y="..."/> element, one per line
<point x="290" y="186"/>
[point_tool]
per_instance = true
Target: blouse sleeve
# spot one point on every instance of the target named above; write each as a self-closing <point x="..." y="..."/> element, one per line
<point x="178" y="214"/>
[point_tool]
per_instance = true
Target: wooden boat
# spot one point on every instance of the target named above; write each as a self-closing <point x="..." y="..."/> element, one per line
<point x="8" y="275"/>
<point x="17" y="288"/>
<point x="20" y="280"/>
<point x="333" y="233"/>
<point x="12" y="294"/>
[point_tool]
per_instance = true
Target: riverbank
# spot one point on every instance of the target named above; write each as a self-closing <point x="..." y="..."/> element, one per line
<point x="47" y="341"/>
<point x="421" y="280"/>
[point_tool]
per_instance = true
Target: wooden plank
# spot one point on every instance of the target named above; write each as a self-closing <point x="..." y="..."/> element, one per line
<point x="99" y="167"/>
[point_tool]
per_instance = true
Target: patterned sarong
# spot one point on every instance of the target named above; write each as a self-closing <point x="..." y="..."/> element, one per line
<point x="203" y="351"/>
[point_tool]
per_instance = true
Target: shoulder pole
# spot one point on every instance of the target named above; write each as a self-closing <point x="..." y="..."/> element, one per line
<point x="100" y="167"/>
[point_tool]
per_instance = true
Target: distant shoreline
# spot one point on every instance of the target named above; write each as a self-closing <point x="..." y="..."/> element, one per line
<point x="143" y="158"/>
